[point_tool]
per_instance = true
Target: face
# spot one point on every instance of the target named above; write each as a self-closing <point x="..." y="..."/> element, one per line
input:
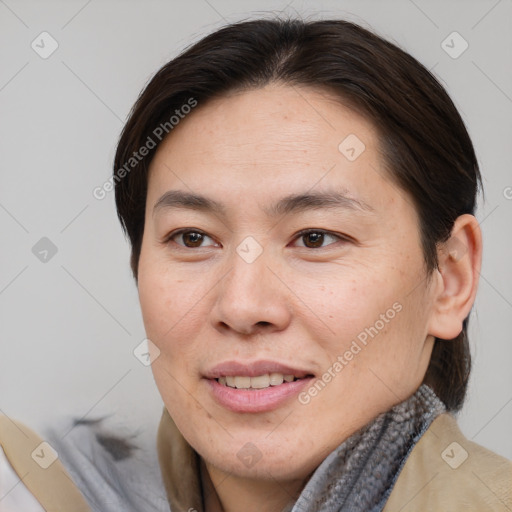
<point x="309" y="268"/>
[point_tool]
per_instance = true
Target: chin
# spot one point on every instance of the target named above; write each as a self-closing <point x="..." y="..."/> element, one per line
<point x="263" y="462"/>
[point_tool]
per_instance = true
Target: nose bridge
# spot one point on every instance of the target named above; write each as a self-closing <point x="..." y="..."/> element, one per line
<point x="250" y="294"/>
<point x="249" y="275"/>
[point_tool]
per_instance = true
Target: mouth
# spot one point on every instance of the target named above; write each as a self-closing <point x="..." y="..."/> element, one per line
<point x="254" y="387"/>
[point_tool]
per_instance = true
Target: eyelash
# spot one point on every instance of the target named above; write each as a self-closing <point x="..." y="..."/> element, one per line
<point x="300" y="234"/>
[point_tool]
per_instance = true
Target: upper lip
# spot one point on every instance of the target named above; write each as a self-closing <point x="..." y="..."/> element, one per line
<point x="253" y="369"/>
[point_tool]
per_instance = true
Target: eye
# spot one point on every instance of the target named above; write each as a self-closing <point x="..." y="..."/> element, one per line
<point x="314" y="238"/>
<point x="192" y="238"/>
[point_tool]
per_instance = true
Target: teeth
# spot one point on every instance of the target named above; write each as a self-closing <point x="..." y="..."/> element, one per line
<point x="276" y="379"/>
<point x="262" y="381"/>
<point x="242" y="382"/>
<point x="259" y="382"/>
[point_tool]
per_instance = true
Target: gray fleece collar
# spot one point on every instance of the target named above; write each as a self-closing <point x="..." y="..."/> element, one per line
<point x="359" y="475"/>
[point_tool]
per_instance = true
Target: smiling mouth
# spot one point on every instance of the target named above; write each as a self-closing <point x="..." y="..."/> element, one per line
<point x="258" y="382"/>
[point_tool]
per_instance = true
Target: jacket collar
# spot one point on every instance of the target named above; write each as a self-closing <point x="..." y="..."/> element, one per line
<point x="180" y="467"/>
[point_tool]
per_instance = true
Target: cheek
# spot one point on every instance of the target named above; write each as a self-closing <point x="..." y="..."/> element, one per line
<point x="167" y="301"/>
<point x="372" y="321"/>
<point x="174" y="310"/>
<point x="354" y="303"/>
<point x="168" y="316"/>
<point x="157" y="304"/>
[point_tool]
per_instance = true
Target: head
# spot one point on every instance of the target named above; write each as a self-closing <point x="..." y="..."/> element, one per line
<point x="304" y="204"/>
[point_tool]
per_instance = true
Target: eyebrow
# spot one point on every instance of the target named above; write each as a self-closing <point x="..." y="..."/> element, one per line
<point x="294" y="203"/>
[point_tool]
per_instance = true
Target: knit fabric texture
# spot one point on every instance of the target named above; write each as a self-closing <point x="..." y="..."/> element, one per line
<point x="359" y="475"/>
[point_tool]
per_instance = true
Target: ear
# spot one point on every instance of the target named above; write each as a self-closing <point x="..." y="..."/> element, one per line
<point x="460" y="260"/>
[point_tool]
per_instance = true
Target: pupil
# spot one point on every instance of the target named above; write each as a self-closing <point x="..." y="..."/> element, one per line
<point x="316" y="238"/>
<point x="196" y="237"/>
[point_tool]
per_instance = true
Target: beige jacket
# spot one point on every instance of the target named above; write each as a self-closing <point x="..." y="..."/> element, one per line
<point x="445" y="472"/>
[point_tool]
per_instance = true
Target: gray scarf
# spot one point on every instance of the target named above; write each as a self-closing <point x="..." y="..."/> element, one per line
<point x="359" y="475"/>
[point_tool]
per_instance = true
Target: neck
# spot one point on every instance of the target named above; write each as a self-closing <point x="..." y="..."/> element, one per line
<point x="224" y="492"/>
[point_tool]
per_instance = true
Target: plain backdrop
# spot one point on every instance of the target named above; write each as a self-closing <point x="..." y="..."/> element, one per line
<point x="69" y="324"/>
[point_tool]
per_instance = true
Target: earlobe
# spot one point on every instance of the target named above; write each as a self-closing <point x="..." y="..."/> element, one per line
<point x="460" y="259"/>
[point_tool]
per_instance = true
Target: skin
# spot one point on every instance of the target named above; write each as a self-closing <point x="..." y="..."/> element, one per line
<point x="298" y="303"/>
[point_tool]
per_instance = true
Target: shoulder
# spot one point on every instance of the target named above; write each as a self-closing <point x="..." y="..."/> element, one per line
<point x="14" y="494"/>
<point x="32" y="475"/>
<point x="446" y="471"/>
<point x="115" y="467"/>
<point x="100" y="465"/>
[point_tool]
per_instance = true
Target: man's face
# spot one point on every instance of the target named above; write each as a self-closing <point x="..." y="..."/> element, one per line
<point x="246" y="298"/>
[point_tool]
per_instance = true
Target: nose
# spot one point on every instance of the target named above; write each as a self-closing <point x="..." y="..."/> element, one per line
<point x="251" y="298"/>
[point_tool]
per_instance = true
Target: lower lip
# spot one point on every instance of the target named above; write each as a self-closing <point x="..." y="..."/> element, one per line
<point x="256" y="400"/>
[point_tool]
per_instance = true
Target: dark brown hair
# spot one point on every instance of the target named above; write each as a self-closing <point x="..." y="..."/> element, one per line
<point x="426" y="148"/>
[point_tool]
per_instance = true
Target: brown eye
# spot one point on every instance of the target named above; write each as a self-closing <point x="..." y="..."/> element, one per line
<point x="190" y="238"/>
<point x="315" y="238"/>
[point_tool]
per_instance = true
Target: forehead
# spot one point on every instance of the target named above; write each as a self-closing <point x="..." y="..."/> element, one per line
<point x="274" y="119"/>
<point x="276" y="140"/>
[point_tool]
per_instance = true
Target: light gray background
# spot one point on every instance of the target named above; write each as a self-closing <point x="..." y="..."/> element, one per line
<point x="69" y="326"/>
